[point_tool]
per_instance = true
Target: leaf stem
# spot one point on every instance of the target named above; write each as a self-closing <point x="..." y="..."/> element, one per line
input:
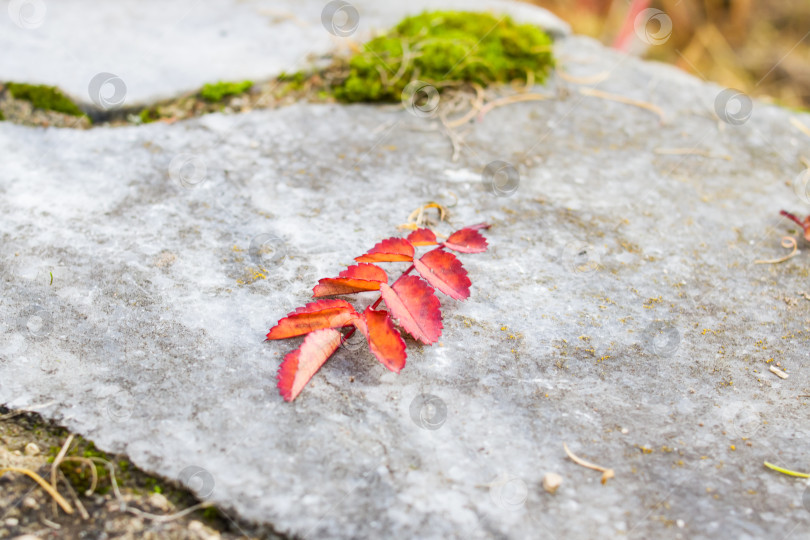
<point x="347" y="335"/>
<point x="405" y="273"/>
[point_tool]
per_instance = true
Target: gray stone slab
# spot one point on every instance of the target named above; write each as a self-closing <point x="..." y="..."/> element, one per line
<point x="619" y="310"/>
<point x="109" y="54"/>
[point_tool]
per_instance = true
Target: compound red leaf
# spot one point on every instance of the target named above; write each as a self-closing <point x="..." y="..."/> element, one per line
<point x="389" y="250"/>
<point x="358" y="278"/>
<point x="445" y="272"/>
<point x="301" y="364"/>
<point x="422" y="237"/>
<point x="383" y="338"/>
<point x="412" y="302"/>
<point x="314" y="316"/>
<point x="467" y="241"/>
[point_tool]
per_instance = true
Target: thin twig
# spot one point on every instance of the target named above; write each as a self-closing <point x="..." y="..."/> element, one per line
<point x="171" y="517"/>
<point x="787" y="243"/>
<point x="508" y="100"/>
<point x="55" y="466"/>
<point x="45" y="485"/>
<point x="31" y="409"/>
<point x="79" y="505"/>
<point x="801" y="127"/>
<point x="113" y="482"/>
<point x="476" y="106"/>
<point x="690" y="151"/>
<point x="87" y="462"/>
<point x="607" y="474"/>
<point x="592" y="79"/>
<point x="405" y="61"/>
<point x="593" y="92"/>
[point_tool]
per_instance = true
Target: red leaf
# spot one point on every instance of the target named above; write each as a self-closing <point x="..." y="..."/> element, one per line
<point x="445" y="272"/>
<point x="383" y="338"/>
<point x="357" y="278"/>
<point x="477" y="226"/>
<point x="389" y="250"/>
<point x="313" y="316"/>
<point x="412" y="302"/>
<point x="300" y="365"/>
<point x="467" y="241"/>
<point x="422" y="237"/>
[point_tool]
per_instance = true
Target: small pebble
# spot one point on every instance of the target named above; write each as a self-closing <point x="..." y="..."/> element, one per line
<point x="31" y="449"/>
<point x="26" y="537"/>
<point x="12" y="522"/>
<point x="30" y="503"/>
<point x="551" y="482"/>
<point x="201" y="531"/>
<point x="625" y="431"/>
<point x="159" y="501"/>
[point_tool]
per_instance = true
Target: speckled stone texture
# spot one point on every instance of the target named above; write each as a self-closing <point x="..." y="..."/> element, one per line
<point x="618" y="309"/>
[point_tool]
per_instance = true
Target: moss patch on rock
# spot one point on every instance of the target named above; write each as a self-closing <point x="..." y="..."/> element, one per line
<point x="215" y="92"/>
<point x="442" y="47"/>
<point x="44" y="97"/>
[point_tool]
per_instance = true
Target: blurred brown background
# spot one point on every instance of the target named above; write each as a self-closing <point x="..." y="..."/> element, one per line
<point x="760" y="47"/>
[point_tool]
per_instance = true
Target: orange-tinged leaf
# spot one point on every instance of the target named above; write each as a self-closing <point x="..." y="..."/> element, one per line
<point x="365" y="271"/>
<point x="467" y="241"/>
<point x="389" y="250"/>
<point x="412" y="302"/>
<point x="422" y="237"/>
<point x="445" y="272"/>
<point x="358" y="278"/>
<point x="301" y="364"/>
<point x="383" y="338"/>
<point x="314" y="316"/>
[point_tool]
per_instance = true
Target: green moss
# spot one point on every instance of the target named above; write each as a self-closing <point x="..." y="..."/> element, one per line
<point x="148" y="115"/>
<point x="212" y="514"/>
<point x="78" y="474"/>
<point x="443" y="46"/>
<point x="44" y="97"/>
<point x="218" y="91"/>
<point x="152" y="485"/>
<point x="2" y="116"/>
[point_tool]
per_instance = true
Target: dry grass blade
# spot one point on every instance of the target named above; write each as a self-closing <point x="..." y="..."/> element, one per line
<point x="79" y="505"/>
<point x="45" y="485"/>
<point x="57" y="461"/>
<point x="87" y="462"/>
<point x="592" y="79"/>
<point x="607" y="473"/>
<point x="508" y="100"/>
<point x="787" y="243"/>
<point x="621" y="99"/>
<point x="801" y="127"/>
<point x="170" y="517"/>
<point x="690" y="151"/>
<point x="476" y="106"/>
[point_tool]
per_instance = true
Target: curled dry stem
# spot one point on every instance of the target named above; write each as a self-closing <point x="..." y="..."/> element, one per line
<point x="607" y="473"/>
